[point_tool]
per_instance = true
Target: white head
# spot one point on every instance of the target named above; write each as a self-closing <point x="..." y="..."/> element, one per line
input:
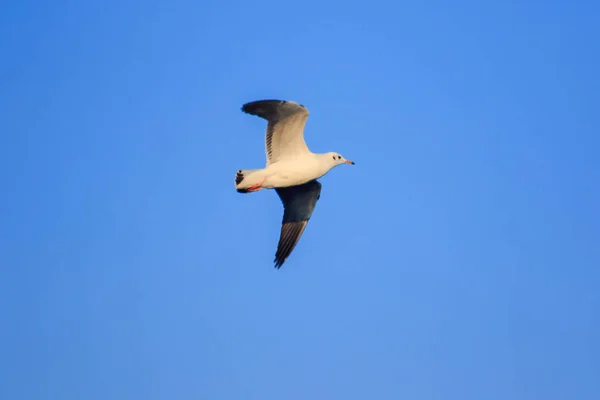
<point x="337" y="159"/>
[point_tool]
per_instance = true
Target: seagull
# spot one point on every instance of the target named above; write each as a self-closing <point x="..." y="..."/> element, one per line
<point x="291" y="169"/>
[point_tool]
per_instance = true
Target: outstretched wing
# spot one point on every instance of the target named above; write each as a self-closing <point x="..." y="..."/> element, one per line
<point x="298" y="205"/>
<point x="285" y="127"/>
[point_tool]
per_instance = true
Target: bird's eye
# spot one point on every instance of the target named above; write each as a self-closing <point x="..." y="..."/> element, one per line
<point x="339" y="156"/>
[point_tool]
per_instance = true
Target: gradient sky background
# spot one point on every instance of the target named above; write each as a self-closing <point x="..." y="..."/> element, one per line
<point x="459" y="258"/>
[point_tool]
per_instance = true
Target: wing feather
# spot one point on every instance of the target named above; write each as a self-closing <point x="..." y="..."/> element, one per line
<point x="298" y="205"/>
<point x="284" y="137"/>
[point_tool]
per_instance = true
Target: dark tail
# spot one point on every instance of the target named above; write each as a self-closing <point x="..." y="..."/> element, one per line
<point x="239" y="177"/>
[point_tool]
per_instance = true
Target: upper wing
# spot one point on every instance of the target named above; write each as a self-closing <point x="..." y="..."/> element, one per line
<point x="285" y="127"/>
<point x="298" y="205"/>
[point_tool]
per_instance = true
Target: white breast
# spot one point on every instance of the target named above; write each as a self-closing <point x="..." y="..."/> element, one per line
<point x="294" y="172"/>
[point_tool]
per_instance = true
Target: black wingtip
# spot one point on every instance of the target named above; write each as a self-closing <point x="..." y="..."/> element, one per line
<point x="257" y="107"/>
<point x="263" y="108"/>
<point x="278" y="261"/>
<point x="288" y="239"/>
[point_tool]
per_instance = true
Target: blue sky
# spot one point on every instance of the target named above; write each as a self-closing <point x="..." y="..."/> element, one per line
<point x="458" y="259"/>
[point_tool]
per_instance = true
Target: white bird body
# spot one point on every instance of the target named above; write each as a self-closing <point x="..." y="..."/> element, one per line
<point x="293" y="172"/>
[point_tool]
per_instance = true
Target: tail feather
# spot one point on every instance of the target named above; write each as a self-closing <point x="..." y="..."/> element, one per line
<point x="239" y="177"/>
<point x="242" y="181"/>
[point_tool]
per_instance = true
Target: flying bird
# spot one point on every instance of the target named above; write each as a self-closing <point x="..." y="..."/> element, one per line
<point x="291" y="169"/>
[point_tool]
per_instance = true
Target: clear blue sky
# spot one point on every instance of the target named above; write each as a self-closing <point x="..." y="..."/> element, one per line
<point x="459" y="258"/>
